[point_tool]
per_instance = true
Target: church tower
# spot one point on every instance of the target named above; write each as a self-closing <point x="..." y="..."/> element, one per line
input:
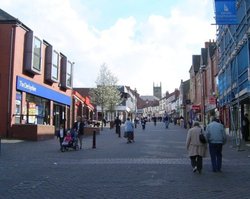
<point x="157" y="91"/>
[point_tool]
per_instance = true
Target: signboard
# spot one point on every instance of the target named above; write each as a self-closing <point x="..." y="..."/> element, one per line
<point x="196" y="107"/>
<point x="225" y="12"/>
<point x="212" y="100"/>
<point x="39" y="90"/>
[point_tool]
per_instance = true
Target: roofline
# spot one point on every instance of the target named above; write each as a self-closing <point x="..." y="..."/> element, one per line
<point x="16" y="22"/>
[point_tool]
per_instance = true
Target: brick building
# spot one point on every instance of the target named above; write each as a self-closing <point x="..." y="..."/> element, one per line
<point x="35" y="83"/>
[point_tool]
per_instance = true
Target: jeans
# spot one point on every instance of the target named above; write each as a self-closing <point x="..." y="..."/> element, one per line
<point x="80" y="137"/>
<point x="196" y="161"/>
<point x="216" y="156"/>
<point x="166" y="124"/>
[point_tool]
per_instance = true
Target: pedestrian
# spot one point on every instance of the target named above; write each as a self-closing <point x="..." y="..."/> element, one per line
<point x="245" y="127"/>
<point x="166" y="120"/>
<point x="196" y="149"/>
<point x="143" y="123"/>
<point x="61" y="134"/>
<point x="216" y="137"/>
<point x="104" y="122"/>
<point x="79" y="128"/>
<point x="118" y="124"/>
<point x="155" y="120"/>
<point x="129" y="130"/>
<point x="182" y="121"/>
<point x="136" y="121"/>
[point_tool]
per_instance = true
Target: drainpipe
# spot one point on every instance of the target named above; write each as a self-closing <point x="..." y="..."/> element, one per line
<point x="10" y="78"/>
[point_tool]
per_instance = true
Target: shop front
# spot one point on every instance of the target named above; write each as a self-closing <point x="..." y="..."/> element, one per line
<point x="89" y="109"/>
<point x="39" y="110"/>
<point x="78" y="105"/>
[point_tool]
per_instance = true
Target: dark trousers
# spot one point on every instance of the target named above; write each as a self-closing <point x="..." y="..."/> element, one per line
<point x="196" y="161"/>
<point x="216" y="156"/>
<point x="143" y="126"/>
<point x="61" y="141"/>
<point x="130" y="136"/>
<point x="245" y="133"/>
<point x="117" y="129"/>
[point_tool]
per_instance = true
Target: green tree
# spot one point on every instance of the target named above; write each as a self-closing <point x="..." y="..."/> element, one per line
<point x="106" y="94"/>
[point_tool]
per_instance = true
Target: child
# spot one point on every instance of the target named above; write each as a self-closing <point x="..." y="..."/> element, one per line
<point x="61" y="135"/>
<point x="67" y="138"/>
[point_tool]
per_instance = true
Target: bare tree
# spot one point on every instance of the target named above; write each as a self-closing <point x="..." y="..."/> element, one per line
<point x="106" y="94"/>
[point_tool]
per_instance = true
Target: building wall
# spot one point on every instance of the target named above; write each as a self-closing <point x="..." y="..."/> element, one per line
<point x="11" y="68"/>
<point x="233" y="65"/>
<point x="5" y="48"/>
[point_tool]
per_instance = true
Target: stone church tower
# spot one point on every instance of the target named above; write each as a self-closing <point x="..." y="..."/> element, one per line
<point x="157" y="91"/>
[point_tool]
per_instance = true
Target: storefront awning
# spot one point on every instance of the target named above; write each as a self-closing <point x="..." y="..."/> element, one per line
<point x="78" y="95"/>
<point x="87" y="102"/>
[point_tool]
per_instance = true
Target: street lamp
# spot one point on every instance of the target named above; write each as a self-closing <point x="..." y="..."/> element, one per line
<point x="202" y="70"/>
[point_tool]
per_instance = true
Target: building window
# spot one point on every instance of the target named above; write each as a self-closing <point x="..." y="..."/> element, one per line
<point x="37" y="54"/>
<point x="55" y="66"/>
<point x="69" y="74"/>
<point x="18" y="107"/>
<point x="38" y="110"/>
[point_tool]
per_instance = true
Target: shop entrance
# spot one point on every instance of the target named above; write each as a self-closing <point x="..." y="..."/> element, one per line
<point x="59" y="115"/>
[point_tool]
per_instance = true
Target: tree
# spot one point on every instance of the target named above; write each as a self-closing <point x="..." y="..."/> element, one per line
<point x="106" y="94"/>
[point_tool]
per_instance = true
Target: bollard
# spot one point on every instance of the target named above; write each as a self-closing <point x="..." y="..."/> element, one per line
<point x="94" y="140"/>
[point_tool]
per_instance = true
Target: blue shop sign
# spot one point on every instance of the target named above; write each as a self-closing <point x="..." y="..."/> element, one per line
<point x="225" y="11"/>
<point x="36" y="89"/>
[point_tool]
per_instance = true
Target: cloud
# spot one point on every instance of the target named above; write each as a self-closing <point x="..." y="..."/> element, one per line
<point x="158" y="49"/>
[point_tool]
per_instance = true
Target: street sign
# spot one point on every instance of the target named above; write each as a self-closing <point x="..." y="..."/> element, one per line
<point x="212" y="100"/>
<point x="196" y="107"/>
<point x="225" y="12"/>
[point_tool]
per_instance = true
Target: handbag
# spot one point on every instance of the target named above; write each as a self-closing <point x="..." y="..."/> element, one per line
<point x="202" y="138"/>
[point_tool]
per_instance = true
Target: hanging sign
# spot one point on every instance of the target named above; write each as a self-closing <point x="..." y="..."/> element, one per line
<point x="225" y="12"/>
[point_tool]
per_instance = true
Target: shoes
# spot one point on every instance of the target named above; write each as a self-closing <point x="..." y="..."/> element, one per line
<point x="194" y="169"/>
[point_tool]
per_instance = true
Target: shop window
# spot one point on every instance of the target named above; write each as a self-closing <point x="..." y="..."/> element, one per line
<point x="32" y="53"/>
<point x="18" y="108"/>
<point x="38" y="110"/>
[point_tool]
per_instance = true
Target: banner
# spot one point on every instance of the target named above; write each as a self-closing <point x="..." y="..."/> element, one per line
<point x="225" y="12"/>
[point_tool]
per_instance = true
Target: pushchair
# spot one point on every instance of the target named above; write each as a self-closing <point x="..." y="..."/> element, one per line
<point x="70" y="141"/>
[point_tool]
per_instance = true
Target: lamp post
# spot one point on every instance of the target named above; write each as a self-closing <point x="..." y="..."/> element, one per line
<point x="202" y="71"/>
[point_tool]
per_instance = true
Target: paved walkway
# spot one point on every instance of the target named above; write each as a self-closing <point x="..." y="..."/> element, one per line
<point x="155" y="166"/>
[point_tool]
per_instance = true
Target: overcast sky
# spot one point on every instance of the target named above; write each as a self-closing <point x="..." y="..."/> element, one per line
<point x="141" y="41"/>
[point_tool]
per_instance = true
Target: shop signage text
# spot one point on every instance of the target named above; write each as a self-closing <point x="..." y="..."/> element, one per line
<point x="41" y="91"/>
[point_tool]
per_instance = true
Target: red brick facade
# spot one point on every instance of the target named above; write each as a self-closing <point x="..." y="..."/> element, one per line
<point x="21" y="89"/>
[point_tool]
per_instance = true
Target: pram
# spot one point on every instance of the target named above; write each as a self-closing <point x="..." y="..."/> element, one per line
<point x="70" y="141"/>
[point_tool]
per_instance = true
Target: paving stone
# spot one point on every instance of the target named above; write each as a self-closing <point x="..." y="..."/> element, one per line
<point x="155" y="166"/>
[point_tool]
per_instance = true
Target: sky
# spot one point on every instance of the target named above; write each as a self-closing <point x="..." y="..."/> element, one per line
<point x="141" y="41"/>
